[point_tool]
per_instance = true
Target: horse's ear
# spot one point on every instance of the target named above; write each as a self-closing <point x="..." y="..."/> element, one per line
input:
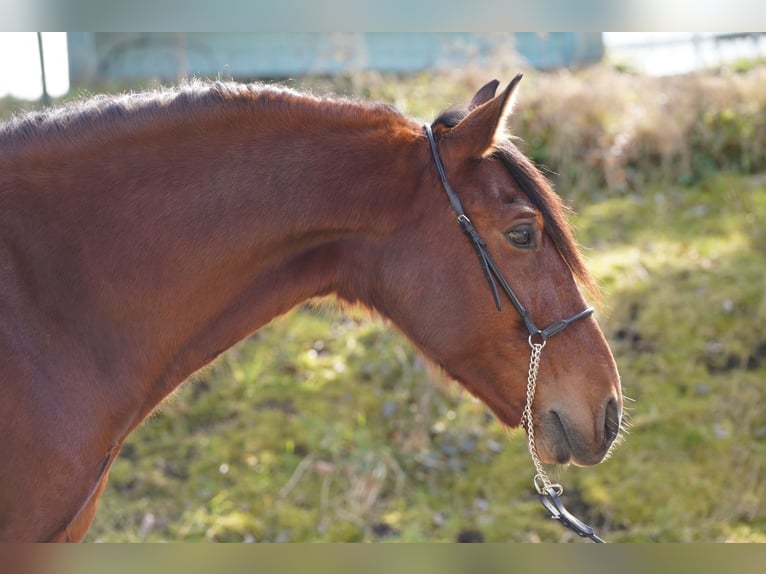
<point x="484" y="125"/>
<point x="485" y="93"/>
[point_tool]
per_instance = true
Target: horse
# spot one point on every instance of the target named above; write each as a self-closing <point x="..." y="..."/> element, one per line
<point x="143" y="234"/>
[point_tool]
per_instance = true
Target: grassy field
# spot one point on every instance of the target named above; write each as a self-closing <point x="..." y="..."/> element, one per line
<point x="326" y="426"/>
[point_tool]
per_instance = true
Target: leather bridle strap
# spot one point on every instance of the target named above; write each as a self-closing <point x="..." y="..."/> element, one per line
<point x="489" y="267"/>
<point x="487" y="264"/>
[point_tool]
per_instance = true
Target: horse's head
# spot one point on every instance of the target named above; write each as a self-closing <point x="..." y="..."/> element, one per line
<point x="441" y="299"/>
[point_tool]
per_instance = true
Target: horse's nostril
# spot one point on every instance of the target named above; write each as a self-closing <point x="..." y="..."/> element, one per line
<point x="611" y="422"/>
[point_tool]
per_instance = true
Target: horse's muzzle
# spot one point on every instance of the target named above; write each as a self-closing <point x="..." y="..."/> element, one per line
<point x="563" y="441"/>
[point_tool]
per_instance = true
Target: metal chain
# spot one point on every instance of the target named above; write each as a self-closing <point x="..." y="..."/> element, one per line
<point x="549" y="491"/>
<point x="543" y="484"/>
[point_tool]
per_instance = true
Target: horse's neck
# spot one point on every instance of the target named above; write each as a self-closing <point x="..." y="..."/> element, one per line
<point x="207" y="250"/>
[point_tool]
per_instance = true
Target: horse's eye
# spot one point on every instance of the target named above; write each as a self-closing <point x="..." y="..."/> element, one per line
<point x="522" y="237"/>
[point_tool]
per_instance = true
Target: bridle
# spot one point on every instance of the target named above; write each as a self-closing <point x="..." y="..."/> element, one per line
<point x="488" y="265"/>
<point x="548" y="491"/>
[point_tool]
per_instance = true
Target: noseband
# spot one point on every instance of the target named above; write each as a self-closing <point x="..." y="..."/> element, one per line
<point x="549" y="492"/>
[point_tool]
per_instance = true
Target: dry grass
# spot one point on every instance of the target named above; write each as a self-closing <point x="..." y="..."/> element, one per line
<point x="603" y="131"/>
<point x="599" y="131"/>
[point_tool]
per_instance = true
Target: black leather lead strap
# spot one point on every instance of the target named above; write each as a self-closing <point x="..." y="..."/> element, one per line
<point x="558" y="511"/>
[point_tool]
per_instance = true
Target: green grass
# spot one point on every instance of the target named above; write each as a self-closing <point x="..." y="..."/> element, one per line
<point x="686" y="276"/>
<point x="318" y="428"/>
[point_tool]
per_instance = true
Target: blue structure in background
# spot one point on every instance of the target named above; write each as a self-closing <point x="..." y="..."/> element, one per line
<point x="97" y="56"/>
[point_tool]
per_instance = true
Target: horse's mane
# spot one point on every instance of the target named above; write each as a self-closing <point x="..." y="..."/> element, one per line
<point x="542" y="196"/>
<point x="110" y="113"/>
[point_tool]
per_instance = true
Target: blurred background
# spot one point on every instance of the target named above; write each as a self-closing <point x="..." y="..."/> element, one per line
<point x="79" y="58"/>
<point x="327" y="426"/>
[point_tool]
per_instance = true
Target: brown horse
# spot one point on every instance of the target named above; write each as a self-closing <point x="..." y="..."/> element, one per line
<point x="142" y="235"/>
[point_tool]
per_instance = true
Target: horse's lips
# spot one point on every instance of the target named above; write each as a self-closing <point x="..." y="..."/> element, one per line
<point x="562" y="447"/>
<point x="559" y="442"/>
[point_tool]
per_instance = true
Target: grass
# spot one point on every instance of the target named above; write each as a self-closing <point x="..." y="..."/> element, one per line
<point x="318" y="429"/>
<point x="685" y="274"/>
<point x="326" y="426"/>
